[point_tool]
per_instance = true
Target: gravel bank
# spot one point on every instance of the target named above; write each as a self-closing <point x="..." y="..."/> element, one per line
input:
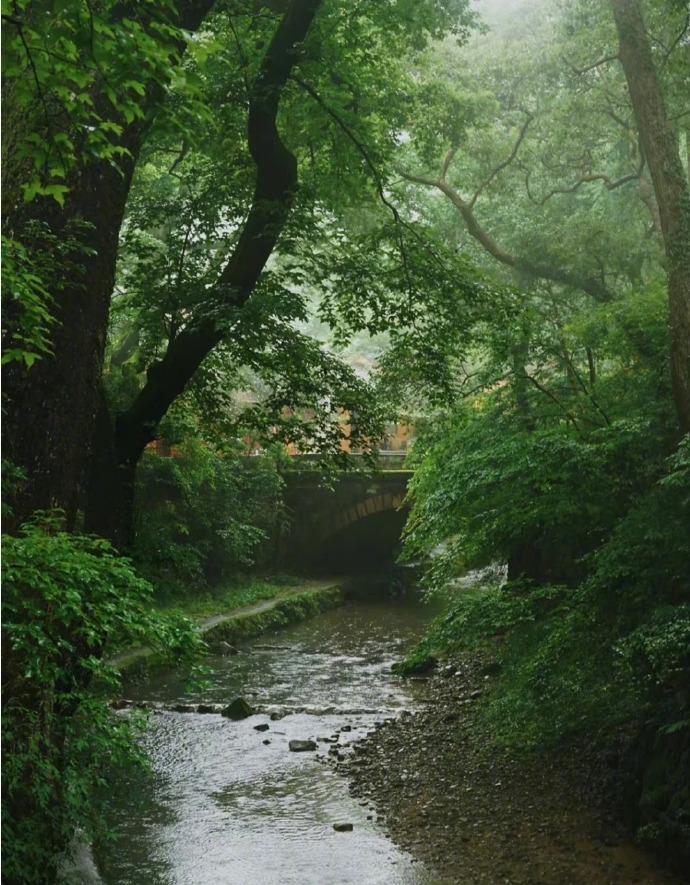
<point x="479" y="816"/>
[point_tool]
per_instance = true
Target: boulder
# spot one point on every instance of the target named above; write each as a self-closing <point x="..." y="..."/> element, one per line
<point x="301" y="746"/>
<point x="343" y="828"/>
<point x="264" y="726"/>
<point x="238" y="709"/>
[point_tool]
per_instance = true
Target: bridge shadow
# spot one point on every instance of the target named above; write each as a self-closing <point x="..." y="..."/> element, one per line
<point x="368" y="545"/>
<point x="353" y="526"/>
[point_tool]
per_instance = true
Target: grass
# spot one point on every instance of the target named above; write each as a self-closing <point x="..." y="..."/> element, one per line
<point x="288" y="610"/>
<point x="226" y="598"/>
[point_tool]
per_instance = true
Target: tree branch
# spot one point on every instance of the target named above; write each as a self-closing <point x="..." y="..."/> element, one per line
<point x="592" y="286"/>
<point x="595" y="64"/>
<point x="358" y="143"/>
<point x="501" y="166"/>
<point x="554" y="399"/>
<point x="274" y="193"/>
<point x="609" y="184"/>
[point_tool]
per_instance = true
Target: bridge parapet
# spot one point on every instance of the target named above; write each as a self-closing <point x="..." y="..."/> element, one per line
<point x="385" y="460"/>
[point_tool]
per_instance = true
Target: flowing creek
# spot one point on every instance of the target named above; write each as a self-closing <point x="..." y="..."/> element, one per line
<point x="231" y="805"/>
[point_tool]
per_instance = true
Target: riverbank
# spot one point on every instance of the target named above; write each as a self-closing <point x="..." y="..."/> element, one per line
<point x="478" y="814"/>
<point x="285" y="606"/>
<point x="232" y="801"/>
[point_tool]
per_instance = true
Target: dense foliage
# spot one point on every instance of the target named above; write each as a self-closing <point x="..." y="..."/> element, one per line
<point x="572" y="481"/>
<point x="236" y="227"/>
<point x="203" y="516"/>
<point x="67" y="600"/>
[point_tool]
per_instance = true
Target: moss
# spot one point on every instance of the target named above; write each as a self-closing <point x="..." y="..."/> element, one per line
<point x="288" y="610"/>
<point x="417" y="662"/>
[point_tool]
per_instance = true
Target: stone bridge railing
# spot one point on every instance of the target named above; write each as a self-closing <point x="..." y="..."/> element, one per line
<point x="385" y="460"/>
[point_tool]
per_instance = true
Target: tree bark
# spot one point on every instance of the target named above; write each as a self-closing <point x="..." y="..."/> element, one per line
<point x="51" y="407"/>
<point x="274" y="194"/>
<point x="670" y="186"/>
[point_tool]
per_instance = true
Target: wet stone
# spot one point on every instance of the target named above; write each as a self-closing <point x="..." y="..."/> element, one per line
<point x="206" y="708"/>
<point x="238" y="709"/>
<point x="301" y="746"/>
<point x="225" y="649"/>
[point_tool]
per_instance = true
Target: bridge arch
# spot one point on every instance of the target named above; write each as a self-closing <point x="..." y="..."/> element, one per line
<point x="355" y="524"/>
<point x="363" y="509"/>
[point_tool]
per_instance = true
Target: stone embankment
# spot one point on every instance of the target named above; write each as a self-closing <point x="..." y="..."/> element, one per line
<point x="296" y="604"/>
<point x="480" y="815"/>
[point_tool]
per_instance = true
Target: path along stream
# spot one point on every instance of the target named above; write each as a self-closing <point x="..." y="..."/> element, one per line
<point x="231" y="805"/>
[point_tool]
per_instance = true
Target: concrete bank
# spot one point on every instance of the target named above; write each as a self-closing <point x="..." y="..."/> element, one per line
<point x="295" y="604"/>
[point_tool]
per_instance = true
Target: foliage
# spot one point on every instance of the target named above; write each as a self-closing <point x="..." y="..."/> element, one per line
<point x="550" y="457"/>
<point x="634" y="610"/>
<point x="226" y="598"/>
<point x="613" y="649"/>
<point x="545" y="156"/>
<point x="563" y="470"/>
<point x="28" y="298"/>
<point x="202" y="515"/>
<point x="31" y="298"/>
<point x="66" y="598"/>
<point x="75" y="75"/>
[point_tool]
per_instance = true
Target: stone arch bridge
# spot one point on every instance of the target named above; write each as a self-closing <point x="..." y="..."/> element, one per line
<point x="353" y="524"/>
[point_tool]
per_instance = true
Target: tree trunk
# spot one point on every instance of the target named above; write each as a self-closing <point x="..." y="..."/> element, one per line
<point x="274" y="194"/>
<point x="51" y="407"/>
<point x="670" y="186"/>
<point x="109" y="504"/>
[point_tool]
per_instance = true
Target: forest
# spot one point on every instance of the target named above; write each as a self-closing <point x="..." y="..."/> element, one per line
<point x="242" y="236"/>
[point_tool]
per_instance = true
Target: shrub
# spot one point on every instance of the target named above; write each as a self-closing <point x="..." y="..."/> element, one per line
<point x="66" y="599"/>
<point x="201" y="515"/>
<point x="612" y="652"/>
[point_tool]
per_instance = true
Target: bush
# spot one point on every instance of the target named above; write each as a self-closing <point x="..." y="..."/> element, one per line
<point x="66" y="600"/>
<point x="613" y="652"/>
<point x="201" y="515"/>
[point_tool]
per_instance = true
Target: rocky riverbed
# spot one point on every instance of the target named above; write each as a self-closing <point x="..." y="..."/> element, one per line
<point x="480" y="815"/>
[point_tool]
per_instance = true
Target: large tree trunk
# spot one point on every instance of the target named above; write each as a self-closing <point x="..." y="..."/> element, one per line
<point x="274" y="194"/>
<point x="670" y="186"/>
<point x="51" y="407"/>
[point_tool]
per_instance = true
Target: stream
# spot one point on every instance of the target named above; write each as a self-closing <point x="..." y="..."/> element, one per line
<point x="227" y="803"/>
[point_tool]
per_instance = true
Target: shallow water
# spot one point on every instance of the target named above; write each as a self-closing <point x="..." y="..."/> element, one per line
<point x="222" y="806"/>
